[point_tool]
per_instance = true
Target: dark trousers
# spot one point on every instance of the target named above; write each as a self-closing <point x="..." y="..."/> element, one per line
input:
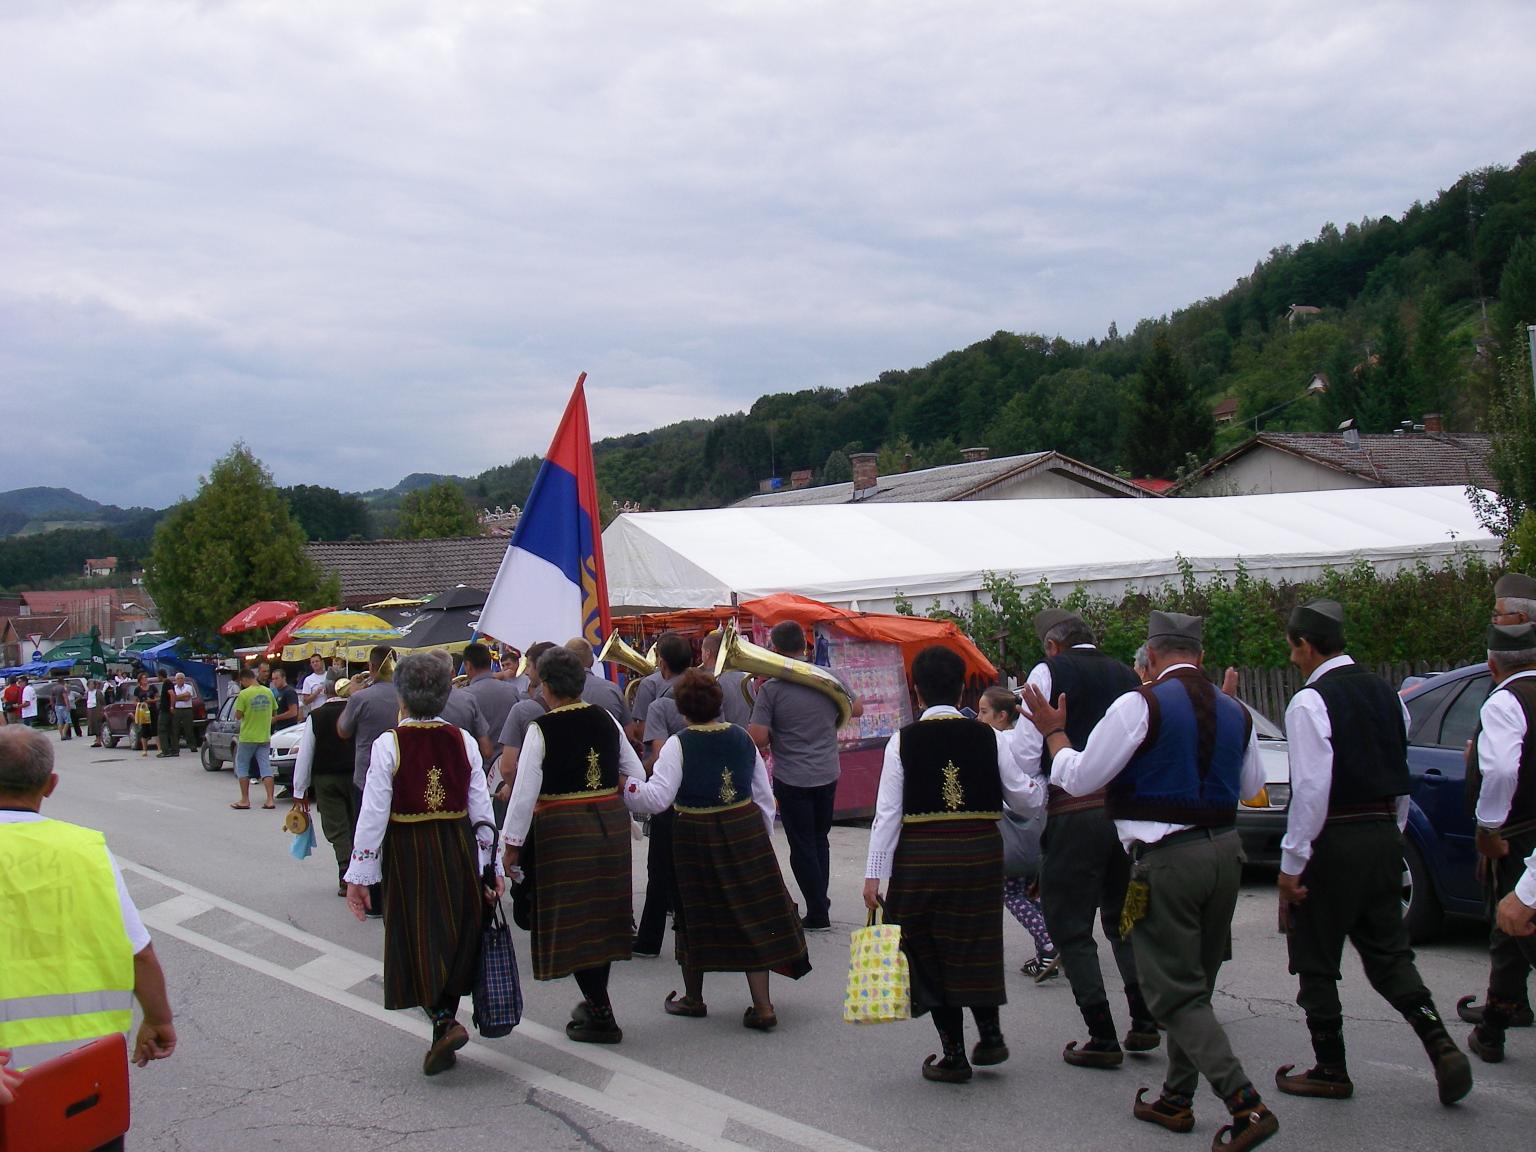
<point x="183" y="730"/>
<point x="163" y="731"/>
<point x="660" y="884"/>
<point x="1510" y="958"/>
<point x="335" y="801"/>
<point x="806" y="814"/>
<point x="1354" y="885"/>
<point x="1084" y="873"/>
<point x="1180" y="946"/>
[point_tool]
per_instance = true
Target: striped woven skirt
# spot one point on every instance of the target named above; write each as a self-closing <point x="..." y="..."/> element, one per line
<point x="946" y="892"/>
<point x="733" y="912"/>
<point x="432" y="911"/>
<point x="582" y="906"/>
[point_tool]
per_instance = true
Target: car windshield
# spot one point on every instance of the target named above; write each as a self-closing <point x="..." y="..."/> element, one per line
<point x="1263" y="725"/>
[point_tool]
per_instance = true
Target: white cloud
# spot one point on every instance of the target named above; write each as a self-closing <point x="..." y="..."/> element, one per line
<point x="375" y="238"/>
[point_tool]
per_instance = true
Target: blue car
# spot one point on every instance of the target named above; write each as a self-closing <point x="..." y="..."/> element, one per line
<point x="1440" y="861"/>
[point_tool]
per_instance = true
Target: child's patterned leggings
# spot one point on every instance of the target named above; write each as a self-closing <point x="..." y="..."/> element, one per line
<point x="1027" y="912"/>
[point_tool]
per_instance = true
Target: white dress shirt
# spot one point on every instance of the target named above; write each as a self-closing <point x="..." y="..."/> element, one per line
<point x="530" y="777"/>
<point x="648" y="797"/>
<point x="1309" y="737"/>
<point x="1025" y="739"/>
<point x="1525" y="888"/>
<point x="313" y="692"/>
<point x="1112" y="743"/>
<point x="133" y="923"/>
<point x="378" y="791"/>
<point x="1022" y="793"/>
<point x="1499" y="746"/>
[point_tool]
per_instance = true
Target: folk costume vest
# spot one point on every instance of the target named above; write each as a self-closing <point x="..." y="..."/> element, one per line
<point x="718" y="760"/>
<point x="1522" y="806"/>
<point x="1189" y="768"/>
<point x="581" y="752"/>
<point x="1370" y="746"/>
<point x="334" y="756"/>
<point x="1092" y="681"/>
<point x="66" y="963"/>
<point x="432" y="774"/>
<point x="949" y="771"/>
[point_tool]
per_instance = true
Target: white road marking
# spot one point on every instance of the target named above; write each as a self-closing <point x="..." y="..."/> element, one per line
<point x="637" y="1094"/>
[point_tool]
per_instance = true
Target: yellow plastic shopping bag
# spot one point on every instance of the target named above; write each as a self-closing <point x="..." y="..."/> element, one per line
<point x="879" y="987"/>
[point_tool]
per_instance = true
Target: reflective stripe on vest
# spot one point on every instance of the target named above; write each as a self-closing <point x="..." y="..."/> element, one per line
<point x="66" y="964"/>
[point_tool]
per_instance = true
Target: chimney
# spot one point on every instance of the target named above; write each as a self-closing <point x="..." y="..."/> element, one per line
<point x="800" y="478"/>
<point x="1433" y="423"/>
<point x="906" y="462"/>
<point x="1350" y="433"/>
<point x="972" y="455"/>
<point x="866" y="471"/>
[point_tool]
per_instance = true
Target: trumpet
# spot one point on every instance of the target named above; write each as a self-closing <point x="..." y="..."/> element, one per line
<point x="616" y="649"/>
<point x="739" y="655"/>
<point x="365" y="679"/>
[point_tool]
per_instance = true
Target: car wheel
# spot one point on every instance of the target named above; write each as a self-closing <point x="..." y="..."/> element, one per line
<point x="211" y="763"/>
<point x="1421" y="907"/>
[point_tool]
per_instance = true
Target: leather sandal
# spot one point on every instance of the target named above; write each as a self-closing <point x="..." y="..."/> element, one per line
<point x="1171" y="1112"/>
<point x="754" y="1020"/>
<point x="1249" y="1128"/>
<point x="1316" y="1082"/>
<point x="676" y="1005"/>
<point x="1094" y="1054"/>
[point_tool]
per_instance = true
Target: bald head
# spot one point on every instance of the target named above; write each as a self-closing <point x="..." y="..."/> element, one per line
<point x="583" y="651"/>
<point x="26" y="765"/>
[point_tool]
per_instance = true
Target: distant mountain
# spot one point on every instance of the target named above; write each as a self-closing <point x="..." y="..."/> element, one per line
<point x="25" y="511"/>
<point x="50" y="504"/>
<point x="412" y="483"/>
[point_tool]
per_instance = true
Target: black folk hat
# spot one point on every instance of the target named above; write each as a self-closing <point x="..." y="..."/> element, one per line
<point x="1321" y="618"/>
<point x="1515" y="584"/>
<point x="1176" y="624"/>
<point x="1048" y="619"/>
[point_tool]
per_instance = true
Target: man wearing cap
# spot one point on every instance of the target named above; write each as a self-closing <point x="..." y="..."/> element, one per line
<point x="1175" y="756"/>
<point x="1084" y="870"/>
<point x="1501" y="769"/>
<point x="1341" y="861"/>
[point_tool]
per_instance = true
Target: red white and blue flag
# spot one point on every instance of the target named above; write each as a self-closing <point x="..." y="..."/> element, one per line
<point x="551" y="584"/>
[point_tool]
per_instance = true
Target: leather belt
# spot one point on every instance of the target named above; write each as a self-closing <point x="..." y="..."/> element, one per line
<point x="1059" y="801"/>
<point x="1359" y="813"/>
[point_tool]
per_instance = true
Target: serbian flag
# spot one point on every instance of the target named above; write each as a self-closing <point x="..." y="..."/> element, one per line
<point x="551" y="585"/>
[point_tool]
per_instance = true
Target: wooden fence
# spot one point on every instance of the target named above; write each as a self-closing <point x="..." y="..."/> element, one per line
<point x="1269" y="690"/>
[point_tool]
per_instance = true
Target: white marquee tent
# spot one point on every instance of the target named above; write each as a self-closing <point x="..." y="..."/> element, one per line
<point x="864" y="556"/>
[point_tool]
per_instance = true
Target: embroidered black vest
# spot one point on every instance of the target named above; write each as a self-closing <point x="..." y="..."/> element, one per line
<point x="718" y="760"/>
<point x="949" y="771"/>
<point x="1370" y="743"/>
<point x="1522" y="806"/>
<point x="432" y="777"/>
<point x="334" y="756"/>
<point x="581" y="752"/>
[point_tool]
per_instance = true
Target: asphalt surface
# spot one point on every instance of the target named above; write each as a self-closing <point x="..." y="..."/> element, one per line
<point x="284" y="1043"/>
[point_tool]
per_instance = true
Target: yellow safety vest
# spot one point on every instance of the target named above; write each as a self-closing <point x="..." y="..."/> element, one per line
<point x="66" y="964"/>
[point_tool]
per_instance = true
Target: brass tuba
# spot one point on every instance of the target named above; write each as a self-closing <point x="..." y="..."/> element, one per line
<point x="618" y="651"/>
<point x="739" y="655"/>
<point x="366" y="678"/>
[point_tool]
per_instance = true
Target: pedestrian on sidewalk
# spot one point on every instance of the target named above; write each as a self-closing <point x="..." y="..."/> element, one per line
<point x="1172" y="790"/>
<point x="424" y="794"/>
<point x="733" y="913"/>
<point x="164" y="715"/>
<point x="143" y="714"/>
<point x="323" y="771"/>
<point x="95" y="710"/>
<point x="253" y="745"/>
<point x="943" y="786"/>
<point x="183" y="702"/>
<point x="999" y="709"/>
<point x="61" y="712"/>
<point x="568" y="828"/>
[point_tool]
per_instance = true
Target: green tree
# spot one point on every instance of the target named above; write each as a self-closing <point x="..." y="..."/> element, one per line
<point x="1434" y="364"/>
<point x="1387" y="387"/>
<point x="838" y="469"/>
<point x="1517" y="298"/>
<point x="439" y="510"/>
<point x="1513" y="457"/>
<point x="233" y="543"/>
<point x="1165" y="421"/>
<point x="326" y="514"/>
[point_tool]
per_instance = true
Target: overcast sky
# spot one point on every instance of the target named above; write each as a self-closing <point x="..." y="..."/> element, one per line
<point x="380" y="237"/>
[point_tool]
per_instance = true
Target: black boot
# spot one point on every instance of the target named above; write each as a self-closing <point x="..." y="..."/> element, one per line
<point x="1520" y="1017"/>
<point x="593" y="1024"/>
<point x="1453" y="1071"/>
<point x="990" y="1047"/>
<point x="1329" y="1077"/>
<point x="1142" y="1036"/>
<point x="1102" y="1049"/>
<point x="952" y="1067"/>
<point x="1487" y="1039"/>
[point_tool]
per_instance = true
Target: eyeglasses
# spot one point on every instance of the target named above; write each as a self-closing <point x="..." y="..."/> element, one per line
<point x="1500" y="617"/>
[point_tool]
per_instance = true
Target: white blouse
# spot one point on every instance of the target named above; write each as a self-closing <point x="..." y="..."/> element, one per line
<point x="530" y="778"/>
<point x="378" y="791"/>
<point x="648" y="797"/>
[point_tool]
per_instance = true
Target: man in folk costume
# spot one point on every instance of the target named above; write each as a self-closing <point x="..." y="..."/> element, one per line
<point x="1175" y="755"/>
<point x="1514" y="603"/>
<point x="943" y="785"/>
<point x="423" y="795"/>
<point x="567" y="827"/>
<point x="1084" y="868"/>
<point x="1341" y="861"/>
<point x="1502" y="770"/>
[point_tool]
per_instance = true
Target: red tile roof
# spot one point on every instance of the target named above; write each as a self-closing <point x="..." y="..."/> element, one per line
<point x="1149" y="484"/>
<point x="372" y="570"/>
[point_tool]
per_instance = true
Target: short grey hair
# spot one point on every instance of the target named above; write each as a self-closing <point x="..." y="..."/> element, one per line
<point x="1139" y="661"/>
<point x="1517" y="604"/>
<point x="26" y="761"/>
<point x="1509" y="661"/>
<point x="1167" y="645"/>
<point x="561" y="673"/>
<point x="423" y="683"/>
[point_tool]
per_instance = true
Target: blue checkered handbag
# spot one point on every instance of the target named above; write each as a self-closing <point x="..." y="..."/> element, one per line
<point x="498" y="995"/>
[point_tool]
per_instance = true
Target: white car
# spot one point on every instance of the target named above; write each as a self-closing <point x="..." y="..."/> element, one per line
<point x="285" y="752"/>
<point x="1261" y="824"/>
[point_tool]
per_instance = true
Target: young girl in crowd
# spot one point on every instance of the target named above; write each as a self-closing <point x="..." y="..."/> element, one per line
<point x="1000" y="708"/>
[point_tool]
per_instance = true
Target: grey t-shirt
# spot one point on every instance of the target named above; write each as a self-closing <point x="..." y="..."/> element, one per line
<point x="368" y="715"/>
<point x="523" y="713"/>
<point x="802" y="727"/>
<point x="495" y="698"/>
<point x="663" y="720"/>
<point x="463" y="711"/>
<point x="651" y="689"/>
<point x="735" y="708"/>
<point x="606" y="695"/>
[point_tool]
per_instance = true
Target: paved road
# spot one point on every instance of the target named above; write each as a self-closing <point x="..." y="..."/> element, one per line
<point x="285" y="1043"/>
